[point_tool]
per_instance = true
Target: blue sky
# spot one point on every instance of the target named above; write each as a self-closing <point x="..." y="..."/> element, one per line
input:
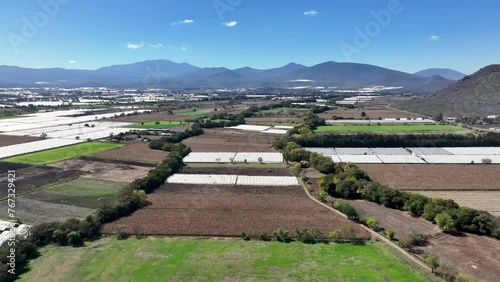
<point x="88" y="34"/>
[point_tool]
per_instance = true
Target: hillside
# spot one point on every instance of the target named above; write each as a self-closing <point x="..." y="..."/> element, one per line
<point x="168" y="74"/>
<point x="446" y="73"/>
<point x="474" y="95"/>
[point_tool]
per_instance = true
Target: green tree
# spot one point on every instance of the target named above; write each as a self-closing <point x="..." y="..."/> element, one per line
<point x="74" y="238"/>
<point x="432" y="261"/>
<point x="446" y="222"/>
<point x="389" y="234"/>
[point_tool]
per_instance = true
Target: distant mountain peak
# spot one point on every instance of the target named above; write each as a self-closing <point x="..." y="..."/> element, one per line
<point x="443" y="72"/>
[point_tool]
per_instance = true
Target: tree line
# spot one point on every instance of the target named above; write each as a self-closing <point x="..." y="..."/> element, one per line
<point x="347" y="181"/>
<point x="74" y="232"/>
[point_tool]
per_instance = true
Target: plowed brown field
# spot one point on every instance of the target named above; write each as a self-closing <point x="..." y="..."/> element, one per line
<point x="202" y="210"/>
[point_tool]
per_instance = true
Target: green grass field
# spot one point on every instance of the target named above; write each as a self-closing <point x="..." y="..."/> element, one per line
<point x="152" y="124"/>
<point x="63" y="153"/>
<point x="11" y="117"/>
<point x="164" y="259"/>
<point x="193" y="112"/>
<point x="80" y="192"/>
<point x="416" y="127"/>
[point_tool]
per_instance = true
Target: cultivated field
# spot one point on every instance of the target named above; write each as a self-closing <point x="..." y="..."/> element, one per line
<point x="219" y="260"/>
<point x="226" y="140"/>
<point x="372" y="112"/>
<point x="103" y="170"/>
<point x="478" y="256"/>
<point x="80" y="192"/>
<point x="451" y="177"/>
<point x="272" y="120"/>
<point x="238" y="170"/>
<point x="164" y="124"/>
<point x="31" y="178"/>
<point x="32" y="211"/>
<point x="193" y="112"/>
<point x="481" y="200"/>
<point x="398" y="221"/>
<point x="7" y="140"/>
<point x="5" y="166"/>
<point x="136" y="152"/>
<point x="382" y="128"/>
<point x="64" y="153"/>
<point x="225" y="210"/>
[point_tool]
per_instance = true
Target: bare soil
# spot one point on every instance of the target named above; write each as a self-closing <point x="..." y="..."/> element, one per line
<point x="442" y="177"/>
<point x="228" y="140"/>
<point x="372" y="112"/>
<point x="137" y="152"/>
<point x="478" y="256"/>
<point x="36" y="177"/>
<point x="106" y="171"/>
<point x="32" y="211"/>
<point x="481" y="200"/>
<point x="212" y="210"/>
<point x="7" y="140"/>
<point x="5" y="166"/>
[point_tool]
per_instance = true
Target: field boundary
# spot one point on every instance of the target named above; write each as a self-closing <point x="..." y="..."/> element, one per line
<point x="115" y="161"/>
<point x="397" y="248"/>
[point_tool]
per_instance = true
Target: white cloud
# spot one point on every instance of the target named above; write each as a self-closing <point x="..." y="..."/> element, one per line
<point x="311" y="13"/>
<point x="184" y="48"/>
<point x="72" y="62"/>
<point x="230" y="24"/>
<point x="434" y="38"/>
<point x="155" y="46"/>
<point x="186" y="21"/>
<point x="135" y="45"/>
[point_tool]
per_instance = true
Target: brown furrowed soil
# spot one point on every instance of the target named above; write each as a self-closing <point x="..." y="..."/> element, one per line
<point x="212" y="210"/>
<point x="5" y="166"/>
<point x="137" y="152"/>
<point x="478" y="256"/>
<point x="441" y="177"/>
<point x="371" y="112"/>
<point x="36" y="177"/>
<point x="481" y="200"/>
<point x="32" y="211"/>
<point x="106" y="171"/>
<point x="228" y="140"/>
<point x="7" y="140"/>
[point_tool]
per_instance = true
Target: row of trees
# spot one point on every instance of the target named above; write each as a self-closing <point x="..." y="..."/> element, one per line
<point x="410" y="140"/>
<point x="74" y="231"/>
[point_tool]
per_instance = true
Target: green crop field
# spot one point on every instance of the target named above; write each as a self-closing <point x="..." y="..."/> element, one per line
<point x="164" y="259"/>
<point x="63" y="153"/>
<point x="194" y="112"/>
<point x="416" y="127"/>
<point x="80" y="192"/>
<point x="152" y="124"/>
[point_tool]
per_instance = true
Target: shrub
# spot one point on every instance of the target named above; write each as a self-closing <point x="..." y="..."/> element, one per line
<point x="372" y="222"/>
<point x="446" y="222"/>
<point x="345" y="208"/>
<point x="464" y="278"/>
<point x="244" y="236"/>
<point x="74" y="238"/>
<point x="264" y="237"/>
<point x="389" y="234"/>
<point x="345" y="232"/>
<point x="120" y="232"/>
<point x="281" y="235"/>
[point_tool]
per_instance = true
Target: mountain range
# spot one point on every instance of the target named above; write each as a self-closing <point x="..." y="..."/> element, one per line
<point x="168" y="74"/>
<point x="446" y="73"/>
<point x="474" y="95"/>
